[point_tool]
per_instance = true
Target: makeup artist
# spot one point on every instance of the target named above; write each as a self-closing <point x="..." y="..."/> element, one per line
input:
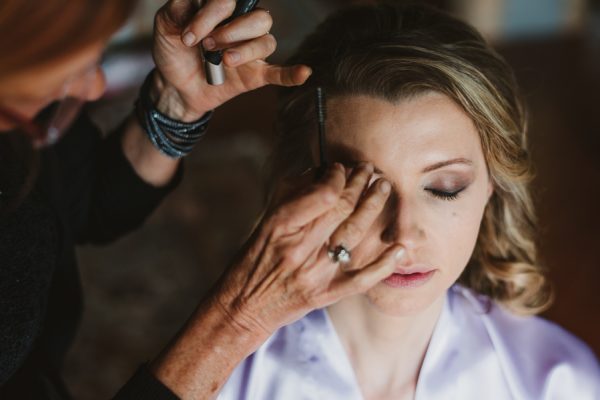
<point x="62" y="184"/>
<point x="57" y="191"/>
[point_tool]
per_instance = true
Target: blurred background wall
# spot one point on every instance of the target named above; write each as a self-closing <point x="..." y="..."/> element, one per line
<point x="140" y="290"/>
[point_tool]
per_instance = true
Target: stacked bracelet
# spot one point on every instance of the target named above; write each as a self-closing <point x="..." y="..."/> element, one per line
<point x="173" y="138"/>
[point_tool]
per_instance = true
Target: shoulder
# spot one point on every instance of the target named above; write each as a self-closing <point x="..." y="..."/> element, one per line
<point x="538" y="357"/>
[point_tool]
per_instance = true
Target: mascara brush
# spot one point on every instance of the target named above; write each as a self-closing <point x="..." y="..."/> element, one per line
<point x="321" y="116"/>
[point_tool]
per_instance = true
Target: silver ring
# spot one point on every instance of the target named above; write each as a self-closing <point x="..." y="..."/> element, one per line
<point x="340" y="255"/>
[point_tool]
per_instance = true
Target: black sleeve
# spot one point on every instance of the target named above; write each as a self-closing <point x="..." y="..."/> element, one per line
<point x="28" y="245"/>
<point x="105" y="196"/>
<point x="144" y="386"/>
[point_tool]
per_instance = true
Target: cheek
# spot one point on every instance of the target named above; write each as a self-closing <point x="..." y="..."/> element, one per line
<point x="461" y="230"/>
<point x="31" y="109"/>
<point x="460" y="237"/>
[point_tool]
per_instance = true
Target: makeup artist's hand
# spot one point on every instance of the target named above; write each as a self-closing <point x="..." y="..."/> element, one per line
<point x="181" y="28"/>
<point x="284" y="271"/>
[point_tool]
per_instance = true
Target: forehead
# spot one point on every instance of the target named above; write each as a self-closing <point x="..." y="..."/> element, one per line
<point x="415" y="131"/>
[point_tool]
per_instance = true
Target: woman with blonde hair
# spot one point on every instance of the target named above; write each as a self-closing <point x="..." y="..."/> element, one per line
<point x="429" y="186"/>
<point x="426" y="119"/>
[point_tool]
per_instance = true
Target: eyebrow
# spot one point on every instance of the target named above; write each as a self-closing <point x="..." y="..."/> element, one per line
<point x="442" y="164"/>
<point x="346" y="154"/>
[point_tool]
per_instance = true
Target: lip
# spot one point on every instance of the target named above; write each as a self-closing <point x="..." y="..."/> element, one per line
<point x="410" y="277"/>
<point x="414" y="269"/>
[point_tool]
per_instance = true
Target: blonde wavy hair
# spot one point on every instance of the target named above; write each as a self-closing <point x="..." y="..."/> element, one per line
<point x="397" y="51"/>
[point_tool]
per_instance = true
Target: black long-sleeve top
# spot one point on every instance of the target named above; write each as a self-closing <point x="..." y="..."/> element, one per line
<point x="85" y="191"/>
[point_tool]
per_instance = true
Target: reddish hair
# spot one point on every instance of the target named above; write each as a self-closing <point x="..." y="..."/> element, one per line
<point x="34" y="32"/>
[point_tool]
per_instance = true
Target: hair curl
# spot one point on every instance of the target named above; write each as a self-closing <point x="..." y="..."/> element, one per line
<point x="397" y="51"/>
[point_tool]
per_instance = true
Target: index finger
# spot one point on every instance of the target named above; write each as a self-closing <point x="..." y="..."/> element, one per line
<point x="245" y="27"/>
<point x="212" y="13"/>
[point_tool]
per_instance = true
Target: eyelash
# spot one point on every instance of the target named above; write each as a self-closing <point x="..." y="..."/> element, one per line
<point x="440" y="194"/>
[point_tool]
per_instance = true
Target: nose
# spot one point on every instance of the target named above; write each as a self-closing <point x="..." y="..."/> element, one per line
<point x="402" y="223"/>
<point x="90" y="86"/>
<point x="97" y="85"/>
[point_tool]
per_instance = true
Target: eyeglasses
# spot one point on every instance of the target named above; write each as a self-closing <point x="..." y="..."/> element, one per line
<point x="48" y="126"/>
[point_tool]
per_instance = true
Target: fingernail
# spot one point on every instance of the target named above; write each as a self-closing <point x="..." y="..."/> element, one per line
<point x="385" y="187"/>
<point x="399" y="253"/>
<point x="189" y="39"/>
<point x="209" y="43"/>
<point x="234" y="56"/>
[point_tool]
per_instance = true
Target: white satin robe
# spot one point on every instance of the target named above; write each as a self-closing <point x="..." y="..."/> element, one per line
<point x="473" y="354"/>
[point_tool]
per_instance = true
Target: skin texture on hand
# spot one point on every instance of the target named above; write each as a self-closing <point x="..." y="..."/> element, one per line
<point x="281" y="274"/>
<point x="235" y="320"/>
<point x="181" y="82"/>
<point x="180" y="89"/>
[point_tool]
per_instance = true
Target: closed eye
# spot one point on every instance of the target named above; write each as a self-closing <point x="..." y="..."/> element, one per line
<point x="441" y="194"/>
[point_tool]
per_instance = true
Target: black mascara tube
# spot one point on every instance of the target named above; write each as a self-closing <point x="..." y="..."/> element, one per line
<point x="213" y="60"/>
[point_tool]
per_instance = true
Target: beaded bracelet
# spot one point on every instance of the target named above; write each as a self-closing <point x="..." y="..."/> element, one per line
<point x="173" y="138"/>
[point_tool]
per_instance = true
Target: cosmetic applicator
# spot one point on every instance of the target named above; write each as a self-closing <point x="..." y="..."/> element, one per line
<point x="321" y="116"/>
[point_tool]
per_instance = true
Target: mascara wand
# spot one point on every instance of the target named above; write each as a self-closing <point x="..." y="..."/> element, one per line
<point x="321" y="116"/>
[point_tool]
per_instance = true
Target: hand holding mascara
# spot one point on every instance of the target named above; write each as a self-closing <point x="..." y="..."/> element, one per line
<point x="213" y="60"/>
<point x="180" y="86"/>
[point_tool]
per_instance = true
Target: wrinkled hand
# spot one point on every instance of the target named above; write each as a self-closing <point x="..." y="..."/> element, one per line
<point x="285" y="272"/>
<point x="181" y="29"/>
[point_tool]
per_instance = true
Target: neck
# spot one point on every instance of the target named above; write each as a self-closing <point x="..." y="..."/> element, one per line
<point x="386" y="351"/>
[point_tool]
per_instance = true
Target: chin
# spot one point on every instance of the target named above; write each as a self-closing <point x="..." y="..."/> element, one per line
<point x="404" y="302"/>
